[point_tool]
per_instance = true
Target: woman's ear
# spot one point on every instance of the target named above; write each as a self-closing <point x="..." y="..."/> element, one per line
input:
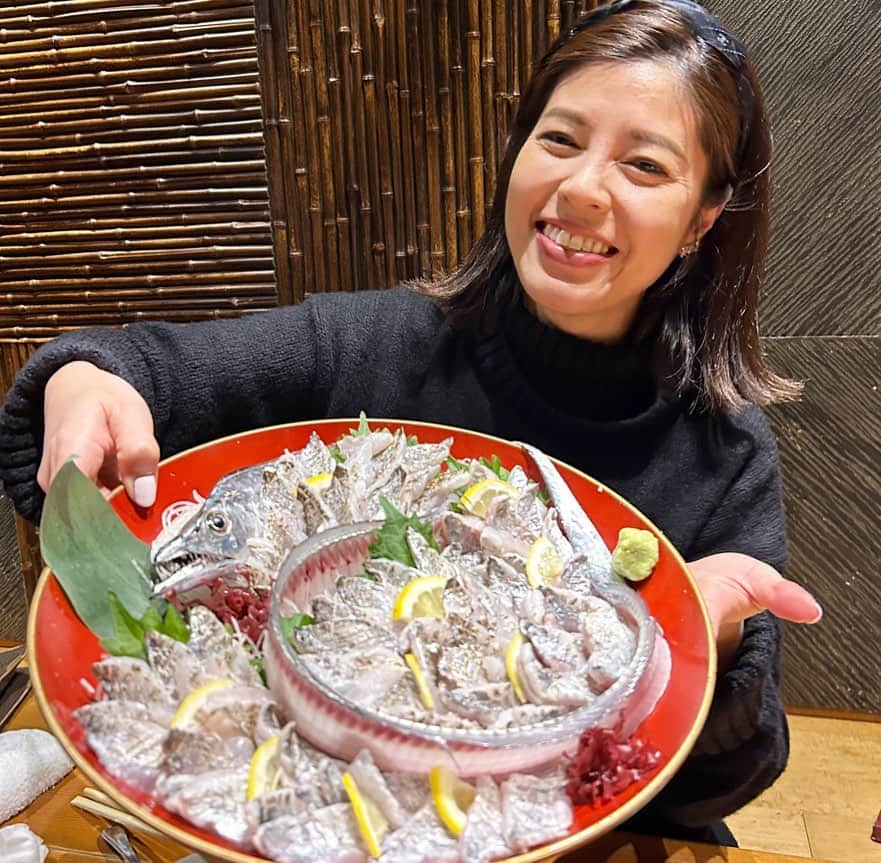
<point x="706" y="218"/>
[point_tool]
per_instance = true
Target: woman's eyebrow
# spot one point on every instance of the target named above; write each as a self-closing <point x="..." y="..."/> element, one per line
<point x="643" y="136"/>
<point x="566" y="114"/>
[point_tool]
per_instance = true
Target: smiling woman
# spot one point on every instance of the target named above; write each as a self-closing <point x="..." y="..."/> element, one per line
<point x="608" y="316"/>
<point x="642" y="131"/>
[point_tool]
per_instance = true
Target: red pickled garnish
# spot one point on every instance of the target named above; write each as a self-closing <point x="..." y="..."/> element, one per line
<point x="603" y="765"/>
<point x="247" y="606"/>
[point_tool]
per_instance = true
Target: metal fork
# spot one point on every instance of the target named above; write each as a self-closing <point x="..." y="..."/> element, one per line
<point x="117" y="838"/>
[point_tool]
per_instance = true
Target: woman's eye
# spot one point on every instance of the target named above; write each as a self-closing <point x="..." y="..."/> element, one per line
<point x="647" y="166"/>
<point x="561" y="139"/>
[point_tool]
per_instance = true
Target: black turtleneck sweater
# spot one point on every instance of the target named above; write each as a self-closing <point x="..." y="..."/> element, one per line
<point x="711" y="483"/>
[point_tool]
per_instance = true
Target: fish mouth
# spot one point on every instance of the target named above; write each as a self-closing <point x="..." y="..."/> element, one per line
<point x="166" y="567"/>
<point x="188" y="569"/>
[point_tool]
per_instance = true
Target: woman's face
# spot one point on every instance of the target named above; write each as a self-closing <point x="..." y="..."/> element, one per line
<point x="603" y="194"/>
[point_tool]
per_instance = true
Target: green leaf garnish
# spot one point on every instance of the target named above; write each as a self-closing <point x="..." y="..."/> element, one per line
<point x="454" y="464"/>
<point x="92" y="553"/>
<point x="391" y="538"/>
<point x="173" y="625"/>
<point x="295" y="621"/>
<point x="495" y="465"/>
<point x="258" y="666"/>
<point x="336" y="454"/>
<point x="129" y="633"/>
<point x="363" y="428"/>
<point x="128" y="639"/>
<point x="368" y="575"/>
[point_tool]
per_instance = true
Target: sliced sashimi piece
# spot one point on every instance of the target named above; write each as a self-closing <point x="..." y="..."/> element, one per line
<point x="326" y="835"/>
<point x="214" y="800"/>
<point x="483" y="837"/>
<point x="422" y="839"/>
<point x="195" y="750"/>
<point x="372" y="784"/>
<point x="211" y="641"/>
<point x="127" y="679"/>
<point x="535" y="810"/>
<point x="124" y="738"/>
<point x="179" y="668"/>
<point x="314" y="776"/>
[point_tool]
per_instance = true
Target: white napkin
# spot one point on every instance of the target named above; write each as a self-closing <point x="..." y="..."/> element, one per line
<point x="31" y="761"/>
<point x="19" y="845"/>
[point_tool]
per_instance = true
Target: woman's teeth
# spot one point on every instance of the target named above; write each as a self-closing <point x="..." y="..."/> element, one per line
<point x="573" y="242"/>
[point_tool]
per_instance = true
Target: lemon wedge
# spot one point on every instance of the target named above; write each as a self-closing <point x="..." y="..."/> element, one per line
<point x="477" y="498"/>
<point x="511" y="654"/>
<point x="452" y="798"/>
<point x="263" y="774"/>
<point x="371" y="822"/>
<point x="190" y="706"/>
<point x="421" y="683"/>
<point x="320" y="481"/>
<point x="543" y="564"/>
<point x="421" y="597"/>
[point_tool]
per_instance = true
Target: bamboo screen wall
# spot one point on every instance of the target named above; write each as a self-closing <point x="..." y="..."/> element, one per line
<point x="384" y="125"/>
<point x="132" y="170"/>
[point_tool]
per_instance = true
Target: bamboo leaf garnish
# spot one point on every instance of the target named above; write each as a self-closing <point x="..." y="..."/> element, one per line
<point x="92" y="553"/>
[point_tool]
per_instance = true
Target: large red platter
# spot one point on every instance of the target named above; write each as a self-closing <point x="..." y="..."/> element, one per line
<point x="62" y="649"/>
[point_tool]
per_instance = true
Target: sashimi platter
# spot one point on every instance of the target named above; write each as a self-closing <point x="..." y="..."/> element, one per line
<point x="353" y="639"/>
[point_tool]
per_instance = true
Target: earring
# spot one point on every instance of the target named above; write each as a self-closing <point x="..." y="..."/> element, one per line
<point x="691" y="248"/>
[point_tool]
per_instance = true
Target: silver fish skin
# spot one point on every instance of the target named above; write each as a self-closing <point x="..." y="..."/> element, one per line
<point x="328" y="835"/>
<point x="422" y="838"/>
<point x="195" y="750"/>
<point x="579" y="529"/>
<point x="125" y="678"/>
<point x="126" y="741"/>
<point x="482" y="838"/>
<point x="372" y="783"/>
<point x="535" y="810"/>
<point x="214" y="800"/>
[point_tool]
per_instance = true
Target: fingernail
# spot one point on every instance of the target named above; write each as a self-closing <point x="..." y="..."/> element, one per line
<point x="819" y="612"/>
<point x="144" y="490"/>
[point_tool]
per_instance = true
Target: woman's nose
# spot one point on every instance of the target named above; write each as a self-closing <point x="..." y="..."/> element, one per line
<point x="586" y="186"/>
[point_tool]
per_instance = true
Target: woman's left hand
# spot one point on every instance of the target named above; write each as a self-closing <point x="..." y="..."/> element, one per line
<point x="736" y="586"/>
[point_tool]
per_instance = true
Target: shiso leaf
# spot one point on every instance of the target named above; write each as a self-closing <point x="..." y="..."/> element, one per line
<point x="92" y="553"/>
<point x="391" y="538"/>
<point x="295" y="621"/>
<point x="129" y="637"/>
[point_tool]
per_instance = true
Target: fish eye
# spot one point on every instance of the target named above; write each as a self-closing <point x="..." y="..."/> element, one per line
<point x="217" y="521"/>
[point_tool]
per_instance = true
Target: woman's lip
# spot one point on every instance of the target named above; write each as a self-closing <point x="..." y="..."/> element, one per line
<point x="565" y="256"/>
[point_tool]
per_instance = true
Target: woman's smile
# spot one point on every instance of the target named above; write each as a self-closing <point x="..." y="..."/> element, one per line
<point x="571" y="248"/>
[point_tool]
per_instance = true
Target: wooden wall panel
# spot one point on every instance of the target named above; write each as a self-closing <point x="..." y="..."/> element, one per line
<point x="831" y="453"/>
<point x="819" y="69"/>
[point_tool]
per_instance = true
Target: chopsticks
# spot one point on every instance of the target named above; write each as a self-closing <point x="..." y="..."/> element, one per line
<point x="97" y="803"/>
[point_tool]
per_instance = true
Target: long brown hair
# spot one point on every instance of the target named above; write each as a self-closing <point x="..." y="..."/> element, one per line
<point x="704" y="309"/>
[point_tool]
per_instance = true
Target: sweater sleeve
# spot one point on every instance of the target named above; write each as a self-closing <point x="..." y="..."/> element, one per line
<point x="200" y="380"/>
<point x="744" y="744"/>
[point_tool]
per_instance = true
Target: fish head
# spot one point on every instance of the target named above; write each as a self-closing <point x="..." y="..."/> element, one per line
<point x="218" y="538"/>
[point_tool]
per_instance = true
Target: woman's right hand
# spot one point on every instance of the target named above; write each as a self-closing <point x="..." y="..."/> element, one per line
<point x="105" y="423"/>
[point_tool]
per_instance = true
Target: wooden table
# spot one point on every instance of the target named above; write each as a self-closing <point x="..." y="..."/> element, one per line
<point x="72" y="835"/>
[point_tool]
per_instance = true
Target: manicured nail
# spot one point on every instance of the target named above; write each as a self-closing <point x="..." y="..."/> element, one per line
<point x="144" y="490"/>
